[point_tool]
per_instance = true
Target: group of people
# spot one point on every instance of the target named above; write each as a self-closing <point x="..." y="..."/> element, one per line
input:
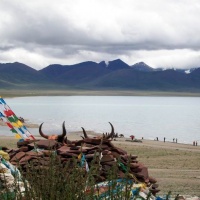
<point x="194" y="143"/>
<point x="174" y="139"/>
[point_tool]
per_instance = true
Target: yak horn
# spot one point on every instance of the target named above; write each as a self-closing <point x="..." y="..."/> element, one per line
<point x="82" y="137"/>
<point x="64" y="130"/>
<point x="111" y="135"/>
<point x="66" y="141"/>
<point x="62" y="136"/>
<point x="84" y="133"/>
<point x="41" y="133"/>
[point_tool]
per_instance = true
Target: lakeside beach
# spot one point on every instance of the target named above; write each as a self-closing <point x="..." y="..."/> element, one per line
<point x="175" y="166"/>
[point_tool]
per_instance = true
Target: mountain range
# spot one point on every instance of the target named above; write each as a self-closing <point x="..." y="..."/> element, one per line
<point x="115" y="74"/>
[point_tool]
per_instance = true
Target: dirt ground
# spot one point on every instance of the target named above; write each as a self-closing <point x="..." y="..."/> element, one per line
<point x="175" y="166"/>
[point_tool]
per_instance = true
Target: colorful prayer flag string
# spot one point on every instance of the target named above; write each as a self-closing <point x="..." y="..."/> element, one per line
<point x="12" y="121"/>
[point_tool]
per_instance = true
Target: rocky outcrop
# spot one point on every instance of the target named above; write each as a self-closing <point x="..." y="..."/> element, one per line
<point x="101" y="149"/>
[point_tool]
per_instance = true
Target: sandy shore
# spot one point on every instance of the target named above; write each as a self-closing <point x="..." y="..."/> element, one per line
<point x="175" y="166"/>
<point x="84" y="92"/>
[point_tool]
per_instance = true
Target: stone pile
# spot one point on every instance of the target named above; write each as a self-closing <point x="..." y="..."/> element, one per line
<point x="101" y="148"/>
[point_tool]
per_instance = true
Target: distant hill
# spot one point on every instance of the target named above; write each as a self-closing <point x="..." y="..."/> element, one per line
<point x="75" y="74"/>
<point x="115" y="74"/>
<point x="117" y="65"/>
<point x="18" y="74"/>
<point x="141" y="66"/>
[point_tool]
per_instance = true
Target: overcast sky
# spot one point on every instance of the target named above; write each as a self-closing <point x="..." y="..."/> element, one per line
<point x="161" y="33"/>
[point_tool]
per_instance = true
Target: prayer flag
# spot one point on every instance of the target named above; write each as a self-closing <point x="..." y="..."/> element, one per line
<point x="18" y="136"/>
<point x="12" y="121"/>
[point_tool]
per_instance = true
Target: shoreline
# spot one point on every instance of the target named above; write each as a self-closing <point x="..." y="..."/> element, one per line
<point x="75" y="135"/>
<point x="11" y="93"/>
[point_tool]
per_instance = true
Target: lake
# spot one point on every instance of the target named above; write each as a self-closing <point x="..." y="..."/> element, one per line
<point x="148" y="117"/>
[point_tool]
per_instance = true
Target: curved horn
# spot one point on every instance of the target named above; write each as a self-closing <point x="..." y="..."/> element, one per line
<point x="111" y="135"/>
<point x="41" y="133"/>
<point x="66" y="141"/>
<point x="62" y="136"/>
<point x="84" y="133"/>
<point x="64" y="130"/>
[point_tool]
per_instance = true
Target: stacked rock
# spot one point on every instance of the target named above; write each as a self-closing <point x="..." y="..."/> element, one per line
<point x="101" y="148"/>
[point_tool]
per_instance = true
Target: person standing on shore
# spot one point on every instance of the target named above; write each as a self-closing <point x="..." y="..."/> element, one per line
<point x="176" y="140"/>
<point x="196" y="143"/>
<point x="164" y="139"/>
<point x="132" y="137"/>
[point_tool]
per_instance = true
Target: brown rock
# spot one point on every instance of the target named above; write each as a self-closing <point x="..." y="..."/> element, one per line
<point x="74" y="148"/>
<point x="14" y="163"/>
<point x="121" y="174"/>
<point x="86" y="148"/>
<point x="134" y="165"/>
<point x="120" y="151"/>
<point x="78" y="142"/>
<point x="134" y="161"/>
<point x="106" y="152"/>
<point x="144" y="173"/>
<point x="154" y="191"/>
<point x="111" y="163"/>
<point x="136" y="170"/>
<point x="18" y="157"/>
<point x="67" y="154"/>
<point x="25" y="159"/>
<point x="115" y="154"/>
<point x="154" y="186"/>
<point x="133" y="157"/>
<point x="48" y="152"/>
<point x="124" y="157"/>
<point x="92" y="141"/>
<point x="107" y="158"/>
<point x="25" y="143"/>
<point x="32" y="153"/>
<point x="152" y="180"/>
<point x="24" y="148"/>
<point x="46" y="144"/>
<point x="92" y="151"/>
<point x="13" y="152"/>
<point x="89" y="156"/>
<point x="76" y="151"/>
<point x="63" y="149"/>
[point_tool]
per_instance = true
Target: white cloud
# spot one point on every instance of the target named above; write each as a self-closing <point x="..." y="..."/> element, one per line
<point x="179" y="58"/>
<point x="159" y="32"/>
